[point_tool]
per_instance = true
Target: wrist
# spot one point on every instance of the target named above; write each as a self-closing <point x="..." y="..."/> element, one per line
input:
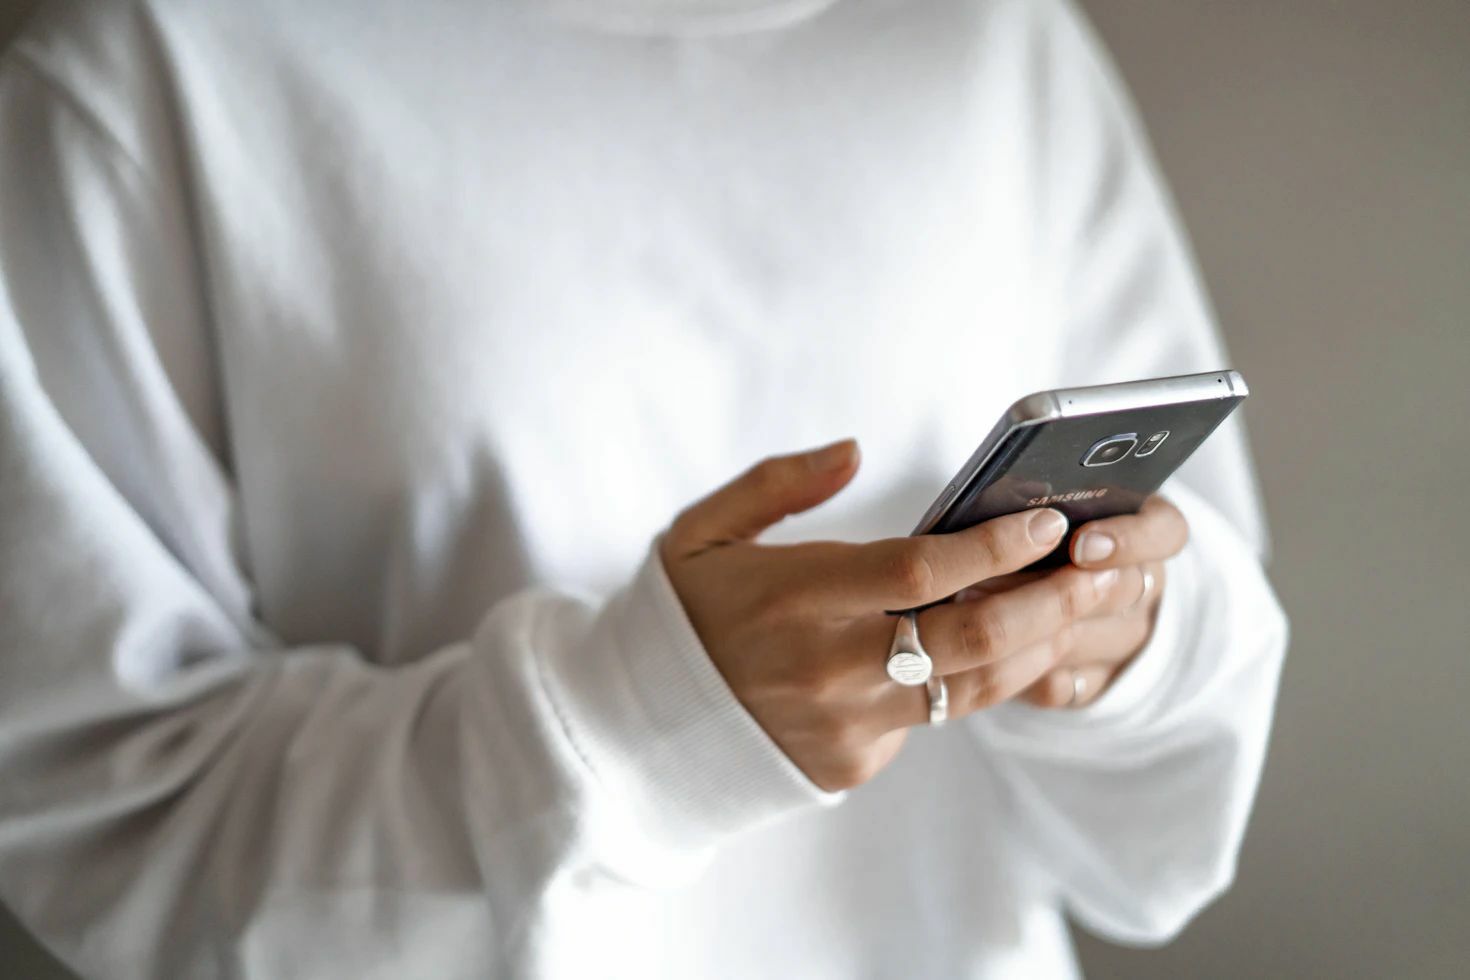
<point x="661" y="730"/>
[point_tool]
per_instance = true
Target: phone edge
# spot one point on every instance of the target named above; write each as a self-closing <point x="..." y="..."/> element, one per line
<point x="1126" y="395"/>
<point x="1045" y="406"/>
<point x="1033" y="409"/>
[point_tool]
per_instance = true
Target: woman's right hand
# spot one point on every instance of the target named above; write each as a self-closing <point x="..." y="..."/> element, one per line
<point x="801" y="635"/>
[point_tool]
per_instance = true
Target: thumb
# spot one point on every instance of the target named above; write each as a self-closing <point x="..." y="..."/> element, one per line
<point x="770" y="490"/>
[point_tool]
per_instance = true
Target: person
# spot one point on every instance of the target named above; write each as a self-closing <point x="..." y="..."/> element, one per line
<point x="366" y="375"/>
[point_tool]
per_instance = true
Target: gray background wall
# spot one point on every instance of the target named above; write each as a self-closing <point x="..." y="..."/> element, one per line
<point x="1320" y="152"/>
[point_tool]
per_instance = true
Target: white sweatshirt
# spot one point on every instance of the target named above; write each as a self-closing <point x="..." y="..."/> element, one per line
<point x="353" y="354"/>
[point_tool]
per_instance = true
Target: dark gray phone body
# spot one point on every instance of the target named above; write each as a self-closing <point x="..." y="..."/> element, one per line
<point x="1070" y="449"/>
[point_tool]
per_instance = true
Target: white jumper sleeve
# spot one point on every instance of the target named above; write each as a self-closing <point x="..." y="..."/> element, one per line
<point x="1136" y="804"/>
<point x="182" y="794"/>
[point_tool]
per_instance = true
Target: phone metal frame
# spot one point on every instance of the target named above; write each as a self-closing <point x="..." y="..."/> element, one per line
<point x="1065" y="403"/>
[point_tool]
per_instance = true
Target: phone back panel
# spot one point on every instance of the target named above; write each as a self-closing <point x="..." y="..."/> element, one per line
<point x="1040" y="465"/>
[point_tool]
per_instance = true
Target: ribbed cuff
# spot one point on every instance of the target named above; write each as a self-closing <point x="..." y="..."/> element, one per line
<point x="657" y="724"/>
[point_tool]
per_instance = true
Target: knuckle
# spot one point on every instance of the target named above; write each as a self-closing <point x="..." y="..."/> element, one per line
<point x="983" y="635"/>
<point x="767" y="475"/>
<point x="1074" y="597"/>
<point x="913" y="575"/>
<point x="986" y="690"/>
<point x="991" y="543"/>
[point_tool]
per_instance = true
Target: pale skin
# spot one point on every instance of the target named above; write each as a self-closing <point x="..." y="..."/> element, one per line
<point x="800" y="633"/>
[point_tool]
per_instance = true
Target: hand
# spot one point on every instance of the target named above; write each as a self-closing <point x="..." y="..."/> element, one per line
<point x="800" y="634"/>
<point x="1100" y="646"/>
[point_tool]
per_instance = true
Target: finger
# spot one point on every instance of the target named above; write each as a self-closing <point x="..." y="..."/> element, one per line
<point x="770" y="490"/>
<point x="1112" y="639"/>
<point x="998" y="584"/>
<point x="1070" y="687"/>
<point x="906" y="573"/>
<point x="1138" y="587"/>
<point x="1156" y="532"/>
<point x="966" y="635"/>
<point x="993" y="684"/>
<point x="972" y="690"/>
<point x="1137" y="584"/>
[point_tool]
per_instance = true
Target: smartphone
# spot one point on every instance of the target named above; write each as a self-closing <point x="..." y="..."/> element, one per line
<point x="1088" y="452"/>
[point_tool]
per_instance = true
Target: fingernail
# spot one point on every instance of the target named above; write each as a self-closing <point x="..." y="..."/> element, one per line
<point x="1148" y="586"/>
<point x="834" y="457"/>
<point x="1046" y="526"/>
<point x="1095" y="546"/>
<point x="1104" y="580"/>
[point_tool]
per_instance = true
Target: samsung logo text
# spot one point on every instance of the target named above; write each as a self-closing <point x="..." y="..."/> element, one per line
<point x="1062" y="498"/>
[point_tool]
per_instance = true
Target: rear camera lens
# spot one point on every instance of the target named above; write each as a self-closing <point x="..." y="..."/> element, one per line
<point x="1152" y="442"/>
<point x="1110" y="450"/>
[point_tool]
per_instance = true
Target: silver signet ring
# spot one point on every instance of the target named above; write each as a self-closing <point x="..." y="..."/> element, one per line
<point x="908" y="664"/>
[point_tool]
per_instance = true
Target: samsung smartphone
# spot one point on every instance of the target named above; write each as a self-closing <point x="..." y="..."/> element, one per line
<point x="1089" y="452"/>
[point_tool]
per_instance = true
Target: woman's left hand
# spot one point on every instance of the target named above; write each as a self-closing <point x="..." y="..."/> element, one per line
<point x="1102" y="645"/>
